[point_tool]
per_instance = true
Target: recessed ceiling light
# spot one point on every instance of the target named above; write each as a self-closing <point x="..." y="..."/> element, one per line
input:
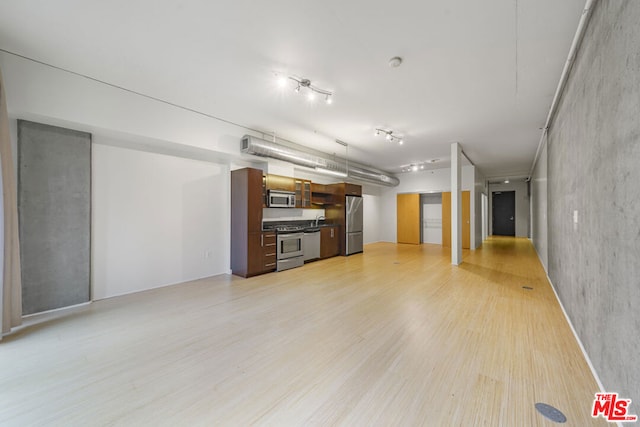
<point x="506" y="181"/>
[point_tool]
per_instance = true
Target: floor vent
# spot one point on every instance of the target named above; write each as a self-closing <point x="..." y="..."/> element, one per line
<point x="550" y="412"/>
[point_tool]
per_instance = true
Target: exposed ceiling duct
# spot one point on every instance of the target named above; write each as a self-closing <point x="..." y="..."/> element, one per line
<point x="344" y="168"/>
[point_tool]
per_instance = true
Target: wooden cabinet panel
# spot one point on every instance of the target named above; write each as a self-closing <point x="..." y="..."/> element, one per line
<point x="255" y="200"/>
<point x="261" y="254"/>
<point x="248" y="251"/>
<point x="321" y="195"/>
<point x="352" y="189"/>
<point x="408" y="209"/>
<point x="269" y="251"/>
<point x="282" y="183"/>
<point x="466" y="219"/>
<point x="329" y="242"/>
<point x="254" y="254"/>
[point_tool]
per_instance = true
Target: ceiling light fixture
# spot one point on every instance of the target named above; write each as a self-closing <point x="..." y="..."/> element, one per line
<point x="395" y="62"/>
<point x="419" y="166"/>
<point x="312" y="90"/>
<point x="389" y="136"/>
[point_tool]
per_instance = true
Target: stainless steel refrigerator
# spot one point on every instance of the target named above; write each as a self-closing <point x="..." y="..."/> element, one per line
<point x="353" y="235"/>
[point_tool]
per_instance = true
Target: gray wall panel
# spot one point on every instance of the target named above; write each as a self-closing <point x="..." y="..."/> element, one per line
<point x="594" y="169"/>
<point x="54" y="202"/>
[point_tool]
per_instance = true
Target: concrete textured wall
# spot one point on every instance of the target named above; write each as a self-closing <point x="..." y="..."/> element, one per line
<point x="594" y="169"/>
<point x="539" y="208"/>
<point x="54" y="209"/>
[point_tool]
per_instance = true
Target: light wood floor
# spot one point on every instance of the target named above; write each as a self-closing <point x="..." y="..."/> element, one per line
<point x="395" y="336"/>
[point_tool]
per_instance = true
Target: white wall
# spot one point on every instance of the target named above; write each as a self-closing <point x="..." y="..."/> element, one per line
<point x="539" y="208"/>
<point x="40" y="93"/>
<point x="430" y="181"/>
<point x="157" y="219"/>
<point x="372" y="218"/>
<point x="522" y="205"/>
<point x="480" y="188"/>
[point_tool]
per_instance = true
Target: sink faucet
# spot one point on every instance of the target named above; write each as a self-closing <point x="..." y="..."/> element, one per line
<point x="318" y="218"/>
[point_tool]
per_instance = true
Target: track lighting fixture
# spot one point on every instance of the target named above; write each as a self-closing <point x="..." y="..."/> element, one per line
<point x="389" y="136"/>
<point x="312" y="90"/>
<point x="415" y="167"/>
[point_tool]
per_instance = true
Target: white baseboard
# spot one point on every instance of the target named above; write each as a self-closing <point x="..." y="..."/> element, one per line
<point x="575" y="334"/>
<point x="56" y="310"/>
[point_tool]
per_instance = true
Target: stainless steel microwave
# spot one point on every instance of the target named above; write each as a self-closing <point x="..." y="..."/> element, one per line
<point x="281" y="199"/>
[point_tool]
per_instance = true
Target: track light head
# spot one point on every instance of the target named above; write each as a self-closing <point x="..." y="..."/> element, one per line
<point x="388" y="135"/>
<point x="311" y="89"/>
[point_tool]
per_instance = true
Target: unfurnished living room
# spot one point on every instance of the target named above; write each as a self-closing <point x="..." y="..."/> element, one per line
<point x="341" y="213"/>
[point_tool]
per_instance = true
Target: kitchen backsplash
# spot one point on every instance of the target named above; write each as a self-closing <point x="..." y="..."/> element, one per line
<point x="289" y="214"/>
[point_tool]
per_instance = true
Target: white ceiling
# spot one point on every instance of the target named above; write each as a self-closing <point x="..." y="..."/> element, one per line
<point x="482" y="73"/>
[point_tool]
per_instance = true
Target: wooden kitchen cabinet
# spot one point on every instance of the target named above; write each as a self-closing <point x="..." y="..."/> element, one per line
<point x="281" y="183"/>
<point x="322" y="195"/>
<point x="249" y="252"/>
<point x="352" y="189"/>
<point x="303" y="193"/>
<point x="329" y="242"/>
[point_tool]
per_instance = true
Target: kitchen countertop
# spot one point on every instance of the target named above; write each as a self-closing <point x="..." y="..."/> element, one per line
<point x="304" y="224"/>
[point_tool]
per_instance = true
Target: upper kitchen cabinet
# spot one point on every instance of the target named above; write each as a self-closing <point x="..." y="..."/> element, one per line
<point x="247" y="199"/>
<point x="352" y="189"/>
<point x="322" y="195"/>
<point x="303" y="193"/>
<point x="281" y="183"/>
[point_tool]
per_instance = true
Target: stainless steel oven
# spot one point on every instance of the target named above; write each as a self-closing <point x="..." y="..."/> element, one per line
<point x="290" y="252"/>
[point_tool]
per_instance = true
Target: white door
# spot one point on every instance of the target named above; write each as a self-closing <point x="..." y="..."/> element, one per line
<point x="432" y="223"/>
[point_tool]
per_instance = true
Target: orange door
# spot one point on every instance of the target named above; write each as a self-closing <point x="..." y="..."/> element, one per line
<point x="446" y="219"/>
<point x="408" y="218"/>
<point x="466" y="219"/>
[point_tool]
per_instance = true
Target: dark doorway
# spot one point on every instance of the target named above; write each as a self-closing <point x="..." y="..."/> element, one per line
<point x="504" y="213"/>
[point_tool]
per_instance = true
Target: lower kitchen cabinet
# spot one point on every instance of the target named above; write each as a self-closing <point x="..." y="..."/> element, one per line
<point x="269" y="249"/>
<point x="261" y="253"/>
<point x="329" y="242"/>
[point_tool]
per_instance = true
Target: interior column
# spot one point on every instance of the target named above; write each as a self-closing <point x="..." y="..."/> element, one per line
<point x="456" y="205"/>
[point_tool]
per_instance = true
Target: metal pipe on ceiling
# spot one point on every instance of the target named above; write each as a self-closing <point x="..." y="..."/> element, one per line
<point x="261" y="147"/>
<point x="575" y="45"/>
